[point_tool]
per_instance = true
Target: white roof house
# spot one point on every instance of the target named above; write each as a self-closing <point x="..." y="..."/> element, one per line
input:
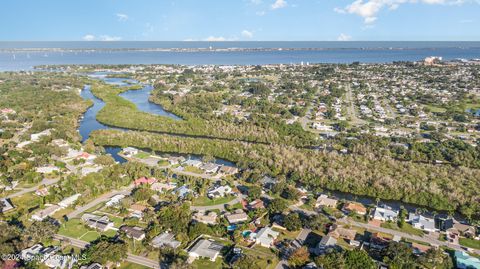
<point x="421" y="222"/>
<point x="69" y="200"/>
<point x="47" y="169"/>
<point x="210" y="218"/>
<point x="219" y="191"/>
<point x="165" y="239"/>
<point x="266" y="237"/>
<point x="115" y="200"/>
<point x="205" y="249"/>
<point x="194" y="163"/>
<point x="385" y="214"/>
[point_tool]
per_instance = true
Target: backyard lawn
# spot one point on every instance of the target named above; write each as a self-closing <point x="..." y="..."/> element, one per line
<point x="471" y="243"/>
<point x="205" y="201"/>
<point x="407" y="228"/>
<point x="76" y="229"/>
<point x="207" y="264"/>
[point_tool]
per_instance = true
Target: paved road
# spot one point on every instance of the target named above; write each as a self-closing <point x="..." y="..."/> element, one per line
<point x="45" y="182"/>
<point x="130" y="257"/>
<point x="103" y="198"/>
<point x="351" y="107"/>
<point x="429" y="240"/>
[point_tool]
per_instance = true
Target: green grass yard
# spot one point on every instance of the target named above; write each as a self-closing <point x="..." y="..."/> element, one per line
<point x="471" y="243"/>
<point x="76" y="229"/>
<point x="205" y="201"/>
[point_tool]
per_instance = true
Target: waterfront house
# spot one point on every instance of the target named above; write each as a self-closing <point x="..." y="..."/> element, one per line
<point x="385" y="213"/>
<point x="227" y="170"/>
<point x="354" y="207"/>
<point x="421" y="222"/>
<point x="205" y="249"/>
<point x="165" y="240"/>
<point x="210" y="168"/>
<point x="462" y="229"/>
<point x="323" y="200"/>
<point x="194" y="163"/>
<point x="176" y="160"/>
<point x="130" y="152"/>
<point x="135" y="232"/>
<point x="443" y="222"/>
<point x="236" y="217"/>
<point x="203" y="217"/>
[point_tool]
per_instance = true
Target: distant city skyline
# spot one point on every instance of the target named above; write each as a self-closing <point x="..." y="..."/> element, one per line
<point x="240" y="20"/>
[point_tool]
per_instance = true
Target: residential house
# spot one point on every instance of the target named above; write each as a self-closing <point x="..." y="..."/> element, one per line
<point x="137" y="210"/>
<point x="327" y="242"/>
<point x="268" y="182"/>
<point x="205" y="249"/>
<point x="101" y="223"/>
<point x="176" y="160"/>
<point x="256" y="204"/>
<point x="210" y="168"/>
<point x="385" y="213"/>
<point x="92" y="266"/>
<point x="161" y="187"/>
<point x="130" y="152"/>
<point x="46" y="212"/>
<point x="265" y="237"/>
<point x="207" y="218"/>
<point x="462" y="229"/>
<point x="421" y="222"/>
<point x="144" y="180"/>
<point x="443" y="222"/>
<point x="115" y="200"/>
<point x="236" y="217"/>
<point x="354" y="207"/>
<point x="344" y="233"/>
<point x="47" y="169"/>
<point x="419" y="249"/>
<point x="465" y="261"/>
<point x="69" y="200"/>
<point x="31" y="252"/>
<point x="5" y="205"/>
<point x="227" y="170"/>
<point x="182" y="191"/>
<point x="194" y="163"/>
<point x="165" y="240"/>
<point x="42" y="192"/>
<point x="219" y="191"/>
<point x="136" y="233"/>
<point x="323" y="200"/>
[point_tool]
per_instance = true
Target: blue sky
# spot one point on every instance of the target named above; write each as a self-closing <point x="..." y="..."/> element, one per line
<point x="224" y="20"/>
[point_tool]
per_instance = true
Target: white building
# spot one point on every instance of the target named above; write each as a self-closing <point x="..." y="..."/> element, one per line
<point x="265" y="237"/>
<point x="385" y="214"/>
<point x="205" y="249"/>
<point x="69" y="200"/>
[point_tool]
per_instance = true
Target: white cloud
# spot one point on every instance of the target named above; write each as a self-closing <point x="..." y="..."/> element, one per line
<point x="110" y="38"/>
<point x="368" y="9"/>
<point x="260" y="13"/>
<point x="88" y="37"/>
<point x="279" y="4"/>
<point x="247" y="34"/>
<point x="215" y="38"/>
<point x="122" y="17"/>
<point x="256" y="2"/>
<point x="344" y="37"/>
